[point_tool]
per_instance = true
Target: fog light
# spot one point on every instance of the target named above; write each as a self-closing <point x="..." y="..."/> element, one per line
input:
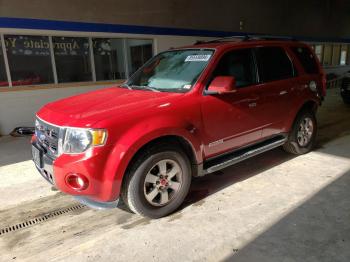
<point x="77" y="181"/>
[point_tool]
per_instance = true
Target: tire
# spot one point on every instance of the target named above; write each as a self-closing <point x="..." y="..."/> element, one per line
<point x="151" y="173"/>
<point x="298" y="144"/>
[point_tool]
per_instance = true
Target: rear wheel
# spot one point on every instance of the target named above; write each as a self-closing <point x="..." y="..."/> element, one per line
<point x="303" y="134"/>
<point x="157" y="182"/>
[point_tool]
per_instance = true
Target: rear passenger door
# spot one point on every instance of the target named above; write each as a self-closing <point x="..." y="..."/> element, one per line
<point x="277" y="82"/>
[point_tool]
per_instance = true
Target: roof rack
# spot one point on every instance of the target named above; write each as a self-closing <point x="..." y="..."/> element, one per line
<point x="247" y="38"/>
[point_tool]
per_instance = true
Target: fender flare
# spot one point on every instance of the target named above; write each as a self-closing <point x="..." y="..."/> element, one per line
<point x="129" y="144"/>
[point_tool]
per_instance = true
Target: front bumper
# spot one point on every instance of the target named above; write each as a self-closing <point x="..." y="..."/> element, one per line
<point x="46" y="169"/>
<point x="102" y="190"/>
<point x="96" y="204"/>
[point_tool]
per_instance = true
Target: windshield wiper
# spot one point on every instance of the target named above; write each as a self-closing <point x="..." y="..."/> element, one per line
<point x="147" y="87"/>
<point x="127" y="86"/>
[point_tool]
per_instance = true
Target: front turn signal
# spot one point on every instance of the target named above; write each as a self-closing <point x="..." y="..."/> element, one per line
<point x="99" y="137"/>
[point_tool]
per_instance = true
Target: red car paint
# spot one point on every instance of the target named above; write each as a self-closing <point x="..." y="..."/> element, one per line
<point x="133" y="118"/>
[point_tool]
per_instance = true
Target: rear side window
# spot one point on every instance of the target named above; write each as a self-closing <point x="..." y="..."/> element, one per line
<point x="273" y="64"/>
<point x="307" y="59"/>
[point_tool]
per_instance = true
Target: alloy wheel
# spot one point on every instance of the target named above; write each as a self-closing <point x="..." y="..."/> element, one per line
<point x="162" y="183"/>
<point x="305" y="131"/>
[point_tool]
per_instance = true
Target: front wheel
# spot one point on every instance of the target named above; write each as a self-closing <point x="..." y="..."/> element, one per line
<point x="157" y="182"/>
<point x="303" y="134"/>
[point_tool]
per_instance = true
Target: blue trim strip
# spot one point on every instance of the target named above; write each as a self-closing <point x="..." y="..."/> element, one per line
<point x="29" y="23"/>
<point x="42" y="24"/>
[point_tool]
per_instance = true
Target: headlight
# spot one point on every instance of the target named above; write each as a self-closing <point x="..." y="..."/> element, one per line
<point x="79" y="140"/>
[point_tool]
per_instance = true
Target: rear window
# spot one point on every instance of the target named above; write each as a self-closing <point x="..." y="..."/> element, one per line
<point x="273" y="64"/>
<point x="307" y="59"/>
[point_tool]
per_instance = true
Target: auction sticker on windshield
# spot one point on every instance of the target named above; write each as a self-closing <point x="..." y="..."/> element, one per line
<point x="197" y="58"/>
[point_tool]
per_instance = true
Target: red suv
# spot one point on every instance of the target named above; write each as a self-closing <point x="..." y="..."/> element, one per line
<point x="187" y="112"/>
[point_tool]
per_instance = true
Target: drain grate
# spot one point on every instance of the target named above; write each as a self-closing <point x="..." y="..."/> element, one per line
<point x="39" y="219"/>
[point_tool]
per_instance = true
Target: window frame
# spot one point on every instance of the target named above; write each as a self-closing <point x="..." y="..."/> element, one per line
<point x="5" y="61"/>
<point x="92" y="53"/>
<point x="286" y="51"/>
<point x="344" y="48"/>
<point x="299" y="60"/>
<point x="320" y="54"/>
<point x="222" y="55"/>
<point x="9" y="60"/>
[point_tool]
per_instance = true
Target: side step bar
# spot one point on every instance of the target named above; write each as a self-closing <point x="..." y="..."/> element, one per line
<point x="235" y="157"/>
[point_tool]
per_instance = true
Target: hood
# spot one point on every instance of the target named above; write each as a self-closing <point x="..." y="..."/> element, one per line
<point x="86" y="109"/>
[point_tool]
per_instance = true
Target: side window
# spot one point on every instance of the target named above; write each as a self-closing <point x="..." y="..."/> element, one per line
<point x="273" y="64"/>
<point x="239" y="64"/>
<point x="307" y="59"/>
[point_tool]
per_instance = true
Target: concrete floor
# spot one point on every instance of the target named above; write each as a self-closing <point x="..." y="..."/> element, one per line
<point x="274" y="207"/>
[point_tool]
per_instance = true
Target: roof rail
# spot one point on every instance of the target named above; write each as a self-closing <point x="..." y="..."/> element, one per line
<point x="247" y="38"/>
<point x="273" y="37"/>
<point x="221" y="39"/>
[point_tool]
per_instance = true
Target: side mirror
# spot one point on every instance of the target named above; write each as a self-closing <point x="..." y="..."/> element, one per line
<point x="222" y="85"/>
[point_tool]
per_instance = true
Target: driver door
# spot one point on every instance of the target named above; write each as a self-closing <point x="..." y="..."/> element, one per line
<point x="231" y="120"/>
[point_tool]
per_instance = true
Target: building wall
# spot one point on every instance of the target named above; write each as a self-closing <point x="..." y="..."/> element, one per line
<point x="18" y="108"/>
<point x="326" y="18"/>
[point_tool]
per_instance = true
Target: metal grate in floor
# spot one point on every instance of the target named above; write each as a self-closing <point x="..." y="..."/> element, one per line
<point x="39" y="219"/>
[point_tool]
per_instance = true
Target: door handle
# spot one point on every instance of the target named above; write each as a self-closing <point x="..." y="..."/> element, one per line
<point x="284" y="92"/>
<point x="252" y="105"/>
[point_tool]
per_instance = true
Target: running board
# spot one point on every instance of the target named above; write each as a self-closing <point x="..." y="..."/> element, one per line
<point x="235" y="157"/>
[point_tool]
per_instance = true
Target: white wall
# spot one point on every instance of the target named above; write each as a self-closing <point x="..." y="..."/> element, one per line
<point x="18" y="108"/>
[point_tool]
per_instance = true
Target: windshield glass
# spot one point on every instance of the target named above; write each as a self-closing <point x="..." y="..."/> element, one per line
<point x="171" y="71"/>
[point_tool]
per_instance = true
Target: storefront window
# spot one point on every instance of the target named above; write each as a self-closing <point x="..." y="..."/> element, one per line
<point x="109" y="58"/>
<point x="336" y="55"/>
<point x="343" y="55"/>
<point x="327" y="55"/>
<point x="3" y="78"/>
<point x="29" y="59"/>
<point x="318" y="51"/>
<point x="138" y="52"/>
<point x="72" y="59"/>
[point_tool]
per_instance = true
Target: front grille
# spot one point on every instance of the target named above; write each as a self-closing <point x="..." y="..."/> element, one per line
<point x="48" y="136"/>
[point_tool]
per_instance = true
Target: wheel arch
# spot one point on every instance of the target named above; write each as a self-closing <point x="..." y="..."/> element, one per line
<point x="177" y="140"/>
<point x="310" y="104"/>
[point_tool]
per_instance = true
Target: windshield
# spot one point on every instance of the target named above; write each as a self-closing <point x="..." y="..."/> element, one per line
<point x="171" y="71"/>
